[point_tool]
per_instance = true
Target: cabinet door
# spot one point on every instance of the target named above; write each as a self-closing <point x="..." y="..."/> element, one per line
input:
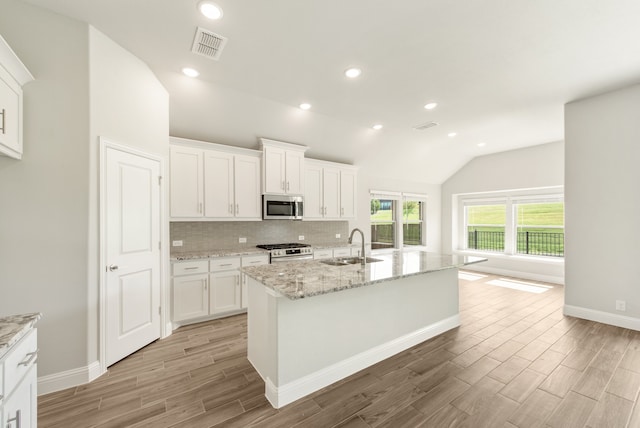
<point x="247" y="187"/>
<point x="186" y="182"/>
<point x="10" y="116"/>
<point x="331" y="192"/>
<point x="218" y="185"/>
<point x="190" y="297"/>
<point x="348" y="194"/>
<point x="20" y="409"/>
<point x="294" y="172"/>
<point x="274" y="172"/>
<point x="313" y="206"/>
<point x="224" y="294"/>
<point x="260" y="260"/>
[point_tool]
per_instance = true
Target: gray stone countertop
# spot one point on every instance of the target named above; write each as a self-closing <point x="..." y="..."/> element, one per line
<point x="13" y="328"/>
<point x="245" y="251"/>
<point x="300" y="279"/>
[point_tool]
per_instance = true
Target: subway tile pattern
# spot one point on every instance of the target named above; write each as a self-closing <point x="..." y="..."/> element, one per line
<point x="202" y="236"/>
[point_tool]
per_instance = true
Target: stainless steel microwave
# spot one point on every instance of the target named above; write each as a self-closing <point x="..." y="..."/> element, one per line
<point x="282" y="207"/>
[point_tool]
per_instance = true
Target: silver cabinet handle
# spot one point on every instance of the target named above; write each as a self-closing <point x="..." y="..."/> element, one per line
<point x="226" y="264"/>
<point x="341" y="211"/>
<point x="237" y="209"/>
<point x="15" y="419"/>
<point x="282" y="186"/>
<point x="230" y="208"/>
<point x="27" y="361"/>
<point x="113" y="267"/>
<point x="191" y="268"/>
<point x="200" y="208"/>
<point x="287" y="185"/>
<point x="4" y="115"/>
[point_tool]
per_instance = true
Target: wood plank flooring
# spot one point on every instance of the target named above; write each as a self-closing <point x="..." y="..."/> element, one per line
<point x="515" y="361"/>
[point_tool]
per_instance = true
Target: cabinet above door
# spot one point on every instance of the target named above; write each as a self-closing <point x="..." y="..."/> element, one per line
<point x="283" y="168"/>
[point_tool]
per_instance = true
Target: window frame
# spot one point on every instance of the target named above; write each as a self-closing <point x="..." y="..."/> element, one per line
<point x="511" y="199"/>
<point x="399" y="198"/>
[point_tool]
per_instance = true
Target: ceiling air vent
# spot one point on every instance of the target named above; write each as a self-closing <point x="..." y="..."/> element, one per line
<point x="425" y="125"/>
<point x="207" y="43"/>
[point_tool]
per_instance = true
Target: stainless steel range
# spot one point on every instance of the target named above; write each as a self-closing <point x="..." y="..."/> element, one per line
<point x="288" y="252"/>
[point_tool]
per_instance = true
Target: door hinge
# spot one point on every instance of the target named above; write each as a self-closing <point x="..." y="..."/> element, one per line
<point x="159" y="245"/>
<point x="159" y="310"/>
<point x="159" y="180"/>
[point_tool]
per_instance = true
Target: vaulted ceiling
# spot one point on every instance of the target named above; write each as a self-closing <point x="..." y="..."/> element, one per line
<point x="499" y="70"/>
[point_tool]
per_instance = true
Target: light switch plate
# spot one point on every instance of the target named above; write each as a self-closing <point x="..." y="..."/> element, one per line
<point x="338" y="236"/>
<point x="177" y="243"/>
<point x="242" y="240"/>
<point x="300" y="237"/>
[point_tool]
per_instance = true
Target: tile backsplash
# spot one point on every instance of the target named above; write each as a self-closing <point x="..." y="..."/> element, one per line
<point x="199" y="236"/>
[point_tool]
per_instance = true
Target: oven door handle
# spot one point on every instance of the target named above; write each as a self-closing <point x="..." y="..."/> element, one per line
<point x="291" y="259"/>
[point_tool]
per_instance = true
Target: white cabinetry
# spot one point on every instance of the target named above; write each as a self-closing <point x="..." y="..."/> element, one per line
<point x="327" y="253"/>
<point x="13" y="75"/>
<point x="210" y="288"/>
<point x="283" y="168"/>
<point x="18" y="407"/>
<point x="214" y="184"/>
<point x="330" y="190"/>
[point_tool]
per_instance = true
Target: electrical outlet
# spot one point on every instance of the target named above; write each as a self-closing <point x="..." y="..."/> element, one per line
<point x="621" y="305"/>
<point x="177" y="243"/>
<point x="242" y="240"/>
<point x="300" y="237"/>
<point x="338" y="236"/>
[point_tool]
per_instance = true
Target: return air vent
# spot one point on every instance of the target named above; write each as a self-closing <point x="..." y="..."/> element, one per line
<point x="207" y="43"/>
<point x="425" y="125"/>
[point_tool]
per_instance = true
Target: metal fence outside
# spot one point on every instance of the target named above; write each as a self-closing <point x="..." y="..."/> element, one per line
<point x="528" y="242"/>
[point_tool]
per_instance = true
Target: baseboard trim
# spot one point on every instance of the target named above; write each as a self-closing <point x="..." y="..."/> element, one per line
<point x="285" y="394"/>
<point x="69" y="378"/>
<point x="515" y="274"/>
<point x="602" y="317"/>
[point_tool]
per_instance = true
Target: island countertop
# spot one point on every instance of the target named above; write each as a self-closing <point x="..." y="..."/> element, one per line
<point x="13" y="328"/>
<point x="301" y="279"/>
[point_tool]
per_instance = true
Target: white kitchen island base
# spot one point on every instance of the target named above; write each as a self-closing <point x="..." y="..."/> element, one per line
<point x="300" y="346"/>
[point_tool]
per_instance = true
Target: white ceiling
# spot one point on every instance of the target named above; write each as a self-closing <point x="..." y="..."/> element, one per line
<point x="501" y="71"/>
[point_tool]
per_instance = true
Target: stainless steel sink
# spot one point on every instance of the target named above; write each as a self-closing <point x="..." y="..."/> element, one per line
<point x="344" y="261"/>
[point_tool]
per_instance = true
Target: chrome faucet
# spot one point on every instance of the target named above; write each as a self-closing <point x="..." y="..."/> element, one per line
<point x="363" y="259"/>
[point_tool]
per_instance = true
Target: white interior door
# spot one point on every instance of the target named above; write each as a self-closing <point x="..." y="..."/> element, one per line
<point x="133" y="258"/>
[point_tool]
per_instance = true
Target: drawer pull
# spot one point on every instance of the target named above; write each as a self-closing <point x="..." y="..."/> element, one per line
<point x="3" y="114"/>
<point x="15" y="419"/>
<point x="31" y="356"/>
<point x="226" y="264"/>
<point x="191" y="268"/>
<point x="257" y="261"/>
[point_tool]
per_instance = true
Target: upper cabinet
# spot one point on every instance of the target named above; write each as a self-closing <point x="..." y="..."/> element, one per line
<point x="283" y="168"/>
<point x="214" y="184"/>
<point x="13" y="75"/>
<point x="330" y="190"/>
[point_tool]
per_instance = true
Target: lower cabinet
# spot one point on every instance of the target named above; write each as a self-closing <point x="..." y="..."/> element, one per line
<point x="328" y="253"/>
<point x="19" y="403"/>
<point x="210" y="288"/>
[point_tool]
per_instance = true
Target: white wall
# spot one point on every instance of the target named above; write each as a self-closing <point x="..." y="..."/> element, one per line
<point x="85" y="87"/>
<point x="128" y="106"/>
<point x="602" y="205"/>
<point x="531" y="167"/>
<point x="44" y="208"/>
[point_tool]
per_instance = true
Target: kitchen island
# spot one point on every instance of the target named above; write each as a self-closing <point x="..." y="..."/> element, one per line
<point x="311" y="323"/>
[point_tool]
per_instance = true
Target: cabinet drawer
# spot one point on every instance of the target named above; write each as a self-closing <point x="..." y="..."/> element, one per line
<point x="322" y="254"/>
<point x="342" y="252"/>
<point x="226" y="263"/>
<point x="262" y="259"/>
<point x="187" y="268"/>
<point x="20" y="359"/>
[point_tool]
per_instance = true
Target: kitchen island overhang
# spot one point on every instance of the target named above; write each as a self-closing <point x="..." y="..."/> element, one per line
<point x="311" y="324"/>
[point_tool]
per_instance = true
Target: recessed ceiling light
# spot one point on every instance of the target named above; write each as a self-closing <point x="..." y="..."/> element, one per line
<point x="482" y="144"/>
<point x="452" y="134"/>
<point x="305" y="106"/>
<point x="210" y="9"/>
<point x="190" y="72"/>
<point x="352" y="72"/>
<point x="377" y="127"/>
<point x="431" y="105"/>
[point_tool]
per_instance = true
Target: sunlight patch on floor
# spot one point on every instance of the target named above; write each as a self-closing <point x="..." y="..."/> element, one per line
<point x="520" y="285"/>
<point x="468" y="276"/>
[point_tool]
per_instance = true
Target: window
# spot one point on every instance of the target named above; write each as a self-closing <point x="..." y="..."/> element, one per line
<point x="540" y="228"/>
<point x="515" y="223"/>
<point x="486" y="227"/>
<point x="397" y="220"/>
<point x="412" y="222"/>
<point x="383" y="223"/>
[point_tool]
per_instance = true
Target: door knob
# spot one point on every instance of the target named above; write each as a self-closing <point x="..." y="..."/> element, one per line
<point x="113" y="267"/>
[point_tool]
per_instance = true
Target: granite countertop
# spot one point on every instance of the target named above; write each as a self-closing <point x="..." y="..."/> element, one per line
<point x="226" y="252"/>
<point x="245" y="251"/>
<point x="13" y="328"/>
<point x="297" y="280"/>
